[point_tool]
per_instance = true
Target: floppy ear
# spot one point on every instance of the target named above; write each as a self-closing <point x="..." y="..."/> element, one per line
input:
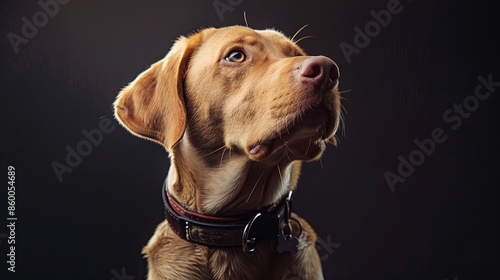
<point x="152" y="106"/>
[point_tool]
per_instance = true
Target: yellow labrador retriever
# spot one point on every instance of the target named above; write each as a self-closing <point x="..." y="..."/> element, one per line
<point x="238" y="110"/>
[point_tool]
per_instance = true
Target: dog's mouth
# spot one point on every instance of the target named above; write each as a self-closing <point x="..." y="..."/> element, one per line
<point x="304" y="138"/>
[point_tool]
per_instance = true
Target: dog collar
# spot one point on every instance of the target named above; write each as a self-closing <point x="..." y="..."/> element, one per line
<point x="269" y="223"/>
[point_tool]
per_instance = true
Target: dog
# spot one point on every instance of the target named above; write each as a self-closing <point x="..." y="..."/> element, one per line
<point x="238" y="110"/>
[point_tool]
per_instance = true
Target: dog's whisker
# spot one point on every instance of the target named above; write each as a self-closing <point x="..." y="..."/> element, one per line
<point x="253" y="189"/>
<point x="321" y="163"/>
<point x="297" y="33"/>
<point x="279" y="173"/>
<point x="309" y="145"/>
<point x="287" y="122"/>
<point x="286" y="154"/>
<point x="345" y="91"/>
<point x="222" y="156"/>
<point x="286" y="146"/>
<point x="343" y="111"/>
<point x="245" y="17"/>
<point x="336" y="139"/>
<point x="262" y="190"/>
<point x="213" y="152"/>
<point x="342" y="121"/>
<point x="305" y="37"/>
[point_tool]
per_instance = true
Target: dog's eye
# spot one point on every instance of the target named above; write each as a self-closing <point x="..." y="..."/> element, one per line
<point x="236" y="56"/>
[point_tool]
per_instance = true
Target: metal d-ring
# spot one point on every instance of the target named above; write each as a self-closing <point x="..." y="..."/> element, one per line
<point x="286" y="230"/>
<point x="245" y="241"/>
<point x="300" y="226"/>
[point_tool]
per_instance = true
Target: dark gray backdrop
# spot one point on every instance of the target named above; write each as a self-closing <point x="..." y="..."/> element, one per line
<point x="405" y="81"/>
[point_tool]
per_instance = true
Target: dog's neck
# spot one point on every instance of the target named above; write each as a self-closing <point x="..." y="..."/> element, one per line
<point x="237" y="185"/>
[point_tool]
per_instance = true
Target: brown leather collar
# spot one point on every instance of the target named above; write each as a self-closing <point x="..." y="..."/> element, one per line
<point x="228" y="231"/>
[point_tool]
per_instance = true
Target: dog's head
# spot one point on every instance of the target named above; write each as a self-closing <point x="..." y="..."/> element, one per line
<point x="255" y="93"/>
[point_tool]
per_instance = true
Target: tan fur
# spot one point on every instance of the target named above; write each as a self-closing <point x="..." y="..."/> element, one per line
<point x="209" y="113"/>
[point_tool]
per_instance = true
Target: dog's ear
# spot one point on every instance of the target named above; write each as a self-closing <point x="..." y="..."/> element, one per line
<point x="152" y="106"/>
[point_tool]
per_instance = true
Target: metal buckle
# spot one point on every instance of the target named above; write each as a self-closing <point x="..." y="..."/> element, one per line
<point x="245" y="240"/>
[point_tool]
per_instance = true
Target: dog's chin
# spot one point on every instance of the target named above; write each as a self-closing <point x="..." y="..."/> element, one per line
<point x="303" y="139"/>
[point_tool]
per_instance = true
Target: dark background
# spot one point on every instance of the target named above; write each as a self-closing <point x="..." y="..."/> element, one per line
<point x="440" y="223"/>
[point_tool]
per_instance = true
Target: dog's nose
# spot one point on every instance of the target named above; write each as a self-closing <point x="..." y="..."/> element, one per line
<point x="320" y="70"/>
